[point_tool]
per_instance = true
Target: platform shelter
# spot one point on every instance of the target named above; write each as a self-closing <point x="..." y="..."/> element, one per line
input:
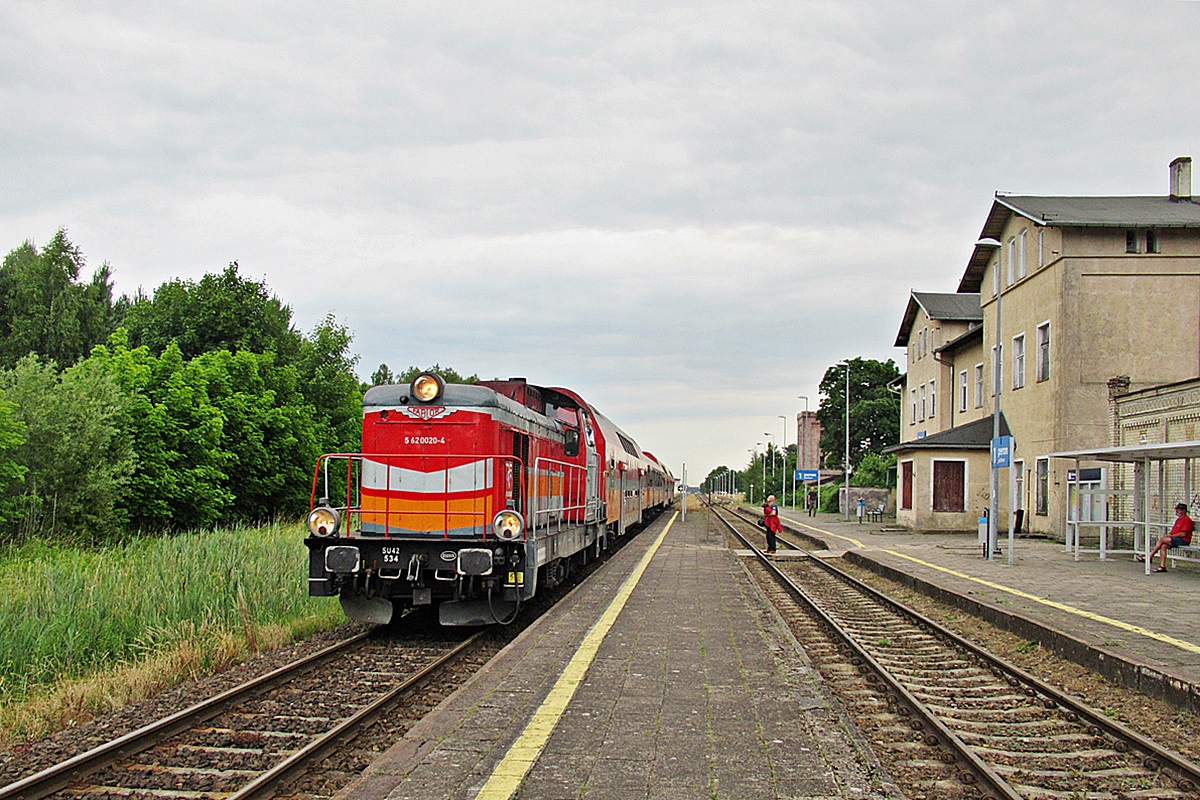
<point x="1163" y="474"/>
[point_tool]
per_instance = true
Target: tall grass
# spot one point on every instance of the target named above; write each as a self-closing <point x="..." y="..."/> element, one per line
<point x="67" y="613"/>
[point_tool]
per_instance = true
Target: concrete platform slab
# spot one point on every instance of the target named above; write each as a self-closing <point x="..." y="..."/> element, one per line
<point x="696" y="691"/>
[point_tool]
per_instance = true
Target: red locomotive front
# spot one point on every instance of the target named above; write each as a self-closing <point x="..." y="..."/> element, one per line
<point x="464" y="496"/>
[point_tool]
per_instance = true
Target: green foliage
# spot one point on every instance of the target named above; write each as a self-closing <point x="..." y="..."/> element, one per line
<point x="75" y="449"/>
<point x="330" y="386"/>
<point x="875" y="470"/>
<point x="448" y="374"/>
<point x="70" y="612"/>
<point x="12" y="471"/>
<point x="44" y="310"/>
<point x="219" y="312"/>
<point x="874" y="411"/>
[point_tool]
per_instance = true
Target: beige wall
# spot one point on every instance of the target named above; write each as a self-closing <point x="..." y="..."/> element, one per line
<point x="920" y="517"/>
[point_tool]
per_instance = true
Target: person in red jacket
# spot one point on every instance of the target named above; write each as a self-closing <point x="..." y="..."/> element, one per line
<point x="1181" y="534"/>
<point x="771" y="523"/>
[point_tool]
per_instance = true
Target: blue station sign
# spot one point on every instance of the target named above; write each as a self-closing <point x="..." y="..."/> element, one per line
<point x="808" y="475"/>
<point x="1002" y="447"/>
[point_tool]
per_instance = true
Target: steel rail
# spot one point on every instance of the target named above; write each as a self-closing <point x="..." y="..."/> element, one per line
<point x="974" y="763"/>
<point x="1114" y="728"/>
<point x="264" y="784"/>
<point x="60" y="776"/>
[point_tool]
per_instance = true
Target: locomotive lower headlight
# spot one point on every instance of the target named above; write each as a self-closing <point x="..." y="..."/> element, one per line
<point x="324" y="521"/>
<point x="427" y="387"/>
<point x="508" y="525"/>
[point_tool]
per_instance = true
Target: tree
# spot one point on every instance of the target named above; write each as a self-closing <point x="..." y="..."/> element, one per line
<point x="44" y="310"/>
<point x="12" y="472"/>
<point x="874" y="411"/>
<point x="382" y="376"/>
<point x="448" y="374"/>
<point x="76" y="451"/>
<point x="221" y="311"/>
<point x="328" y="382"/>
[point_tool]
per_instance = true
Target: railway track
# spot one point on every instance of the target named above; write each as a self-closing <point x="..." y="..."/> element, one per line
<point x="952" y="719"/>
<point x="253" y="738"/>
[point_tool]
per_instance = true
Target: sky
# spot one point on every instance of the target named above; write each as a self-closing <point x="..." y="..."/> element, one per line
<point x="686" y="212"/>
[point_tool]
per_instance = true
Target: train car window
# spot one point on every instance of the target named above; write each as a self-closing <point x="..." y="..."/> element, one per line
<point x="571" y="446"/>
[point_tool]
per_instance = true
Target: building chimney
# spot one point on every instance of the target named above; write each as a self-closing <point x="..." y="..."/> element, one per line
<point x="1181" y="178"/>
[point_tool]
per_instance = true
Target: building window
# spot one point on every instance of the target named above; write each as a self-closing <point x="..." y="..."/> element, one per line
<point x="1131" y="241"/>
<point x="998" y="368"/>
<point x="996" y="278"/>
<point x="1043" y="351"/>
<point x="949" y="486"/>
<point x="962" y="390"/>
<point x="933" y="400"/>
<point x="1010" y="260"/>
<point x="913" y="397"/>
<point x="1152" y="245"/>
<point x="979" y="385"/>
<point x="922" y="402"/>
<point x="1042" y="487"/>
<point x="1041" y="247"/>
<point x="1022" y="244"/>
<point x="1018" y="365"/>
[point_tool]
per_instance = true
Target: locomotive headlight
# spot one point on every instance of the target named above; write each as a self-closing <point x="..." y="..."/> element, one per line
<point x="324" y="521"/>
<point x="427" y="387"/>
<point x="508" y="525"/>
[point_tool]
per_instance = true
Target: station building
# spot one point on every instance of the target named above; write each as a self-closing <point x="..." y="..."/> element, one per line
<point x="1067" y="304"/>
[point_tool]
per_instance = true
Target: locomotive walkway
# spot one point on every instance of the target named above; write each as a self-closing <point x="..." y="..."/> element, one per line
<point x="1143" y="631"/>
<point x="666" y="676"/>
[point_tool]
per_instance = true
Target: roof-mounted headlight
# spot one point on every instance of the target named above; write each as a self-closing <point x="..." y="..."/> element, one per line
<point x="427" y="387"/>
<point x="324" y="521"/>
<point x="508" y="525"/>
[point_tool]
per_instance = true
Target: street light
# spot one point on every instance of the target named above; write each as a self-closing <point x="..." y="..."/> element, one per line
<point x="798" y="434"/>
<point x="846" y="364"/>
<point x="783" y="476"/>
<point x="764" y="483"/>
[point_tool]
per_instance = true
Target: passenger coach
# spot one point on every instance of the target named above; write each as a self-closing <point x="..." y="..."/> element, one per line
<point x="473" y="498"/>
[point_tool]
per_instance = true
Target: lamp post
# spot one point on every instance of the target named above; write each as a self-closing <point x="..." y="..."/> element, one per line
<point x="798" y="462"/>
<point x="764" y="483"/>
<point x="997" y="371"/>
<point x="846" y="364"/>
<point x="783" y="476"/>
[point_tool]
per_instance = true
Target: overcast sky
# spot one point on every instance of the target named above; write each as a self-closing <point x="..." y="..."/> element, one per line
<point x="686" y="212"/>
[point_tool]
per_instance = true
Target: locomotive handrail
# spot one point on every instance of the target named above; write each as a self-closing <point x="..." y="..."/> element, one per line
<point x="574" y="478"/>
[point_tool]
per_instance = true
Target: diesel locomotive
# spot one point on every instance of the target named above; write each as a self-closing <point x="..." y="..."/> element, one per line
<point x="473" y="498"/>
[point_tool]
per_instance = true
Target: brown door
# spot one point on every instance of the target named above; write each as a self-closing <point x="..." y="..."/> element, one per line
<point x="906" y="479"/>
<point x="948" y="490"/>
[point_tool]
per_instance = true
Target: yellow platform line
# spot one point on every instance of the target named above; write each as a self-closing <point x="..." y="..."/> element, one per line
<point x="1079" y="612"/>
<point x="506" y="778"/>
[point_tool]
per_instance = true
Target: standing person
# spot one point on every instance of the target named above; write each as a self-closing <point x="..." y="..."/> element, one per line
<point x="1181" y="534"/>
<point x="812" y="502"/>
<point x="772" y="523"/>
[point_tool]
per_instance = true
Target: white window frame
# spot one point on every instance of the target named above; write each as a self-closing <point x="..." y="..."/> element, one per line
<point x="962" y="391"/>
<point x="979" y="373"/>
<point x="1018" y="365"/>
<point x="998" y="368"/>
<point x="1010" y="261"/>
<point x="923" y="399"/>
<point x="1022" y="246"/>
<point x="933" y="399"/>
<point x="1042" y="356"/>
<point x="1041" y="247"/>
<point x="913" y="397"/>
<point x="996" y="276"/>
<point x="1041" y="486"/>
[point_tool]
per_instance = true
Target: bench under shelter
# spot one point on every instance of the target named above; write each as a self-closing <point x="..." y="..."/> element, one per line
<point x="1139" y="498"/>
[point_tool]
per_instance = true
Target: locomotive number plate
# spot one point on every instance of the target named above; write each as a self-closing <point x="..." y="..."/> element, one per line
<point x="390" y="555"/>
<point x="424" y="439"/>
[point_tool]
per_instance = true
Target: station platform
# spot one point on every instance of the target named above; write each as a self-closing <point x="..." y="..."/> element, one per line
<point x="666" y="676"/>
<point x="1141" y="631"/>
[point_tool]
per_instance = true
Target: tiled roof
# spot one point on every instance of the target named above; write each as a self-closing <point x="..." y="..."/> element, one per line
<point x="975" y="435"/>
<point x="946" y="306"/>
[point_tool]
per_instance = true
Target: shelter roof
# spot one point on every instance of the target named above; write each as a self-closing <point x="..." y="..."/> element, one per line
<point x="1166" y="451"/>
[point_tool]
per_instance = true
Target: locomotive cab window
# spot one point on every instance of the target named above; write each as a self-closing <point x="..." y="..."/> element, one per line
<point x="571" y="445"/>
